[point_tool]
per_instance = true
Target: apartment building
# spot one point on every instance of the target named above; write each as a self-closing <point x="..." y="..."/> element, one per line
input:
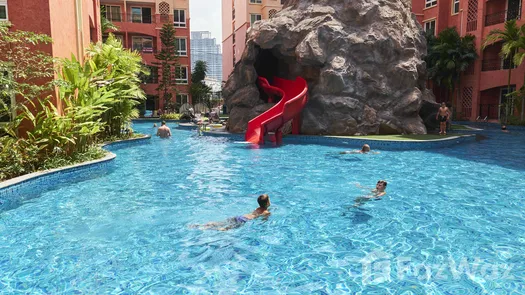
<point x="139" y="23"/>
<point x="237" y="17"/>
<point x="72" y="24"/>
<point x="483" y="86"/>
<point x="205" y="48"/>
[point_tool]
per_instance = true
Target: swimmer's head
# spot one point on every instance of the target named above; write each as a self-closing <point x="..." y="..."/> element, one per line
<point x="264" y="201"/>
<point x="163" y="123"/>
<point x="503" y="127"/>
<point x="381" y="185"/>
<point x="365" y="148"/>
<point x="154" y="124"/>
<point x="443" y="104"/>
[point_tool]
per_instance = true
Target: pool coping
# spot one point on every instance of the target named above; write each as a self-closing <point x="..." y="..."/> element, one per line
<point x="26" y="178"/>
<point x="358" y="142"/>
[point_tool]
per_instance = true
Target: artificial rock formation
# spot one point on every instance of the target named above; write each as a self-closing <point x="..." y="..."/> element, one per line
<point x="362" y="61"/>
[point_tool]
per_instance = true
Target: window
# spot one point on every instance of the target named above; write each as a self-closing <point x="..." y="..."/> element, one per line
<point x="153" y="77"/>
<point x="455" y="6"/>
<point x="254" y="18"/>
<point x="3" y="10"/>
<point x="118" y="37"/>
<point x="430" y="3"/>
<point x="113" y="13"/>
<point x="181" y="46"/>
<point x="272" y="13"/>
<point x="255" y="1"/>
<point x="141" y="15"/>
<point x="179" y="18"/>
<point x="182" y="98"/>
<point x="142" y="44"/>
<point x="430" y="27"/>
<point x="181" y="75"/>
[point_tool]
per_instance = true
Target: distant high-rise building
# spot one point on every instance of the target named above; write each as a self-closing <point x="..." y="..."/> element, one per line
<point x="205" y="48"/>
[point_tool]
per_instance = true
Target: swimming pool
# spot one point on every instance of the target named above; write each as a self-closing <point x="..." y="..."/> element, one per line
<point x="127" y="232"/>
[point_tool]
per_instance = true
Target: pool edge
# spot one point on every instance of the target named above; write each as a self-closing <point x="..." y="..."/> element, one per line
<point x="10" y="186"/>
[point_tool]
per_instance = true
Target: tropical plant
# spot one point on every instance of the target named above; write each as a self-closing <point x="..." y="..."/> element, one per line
<point x="168" y="63"/>
<point x="510" y="36"/>
<point x="448" y="56"/>
<point x="519" y="96"/>
<point x="200" y="92"/>
<point x="97" y="99"/>
<point x="108" y="81"/>
<point x="25" y="71"/>
<point x="105" y="24"/>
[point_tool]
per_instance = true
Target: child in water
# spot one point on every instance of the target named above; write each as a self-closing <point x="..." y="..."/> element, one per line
<point x="376" y="194"/>
<point x="237" y="221"/>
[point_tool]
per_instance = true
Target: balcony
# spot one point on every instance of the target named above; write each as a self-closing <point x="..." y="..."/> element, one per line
<point x="502" y="16"/>
<point x="496" y="64"/>
<point x="131" y="18"/>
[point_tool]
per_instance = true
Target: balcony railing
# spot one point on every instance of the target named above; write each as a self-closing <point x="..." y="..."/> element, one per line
<point x="502" y="16"/>
<point x="496" y="64"/>
<point x="135" y="18"/>
<point x="143" y="19"/>
<point x="145" y="50"/>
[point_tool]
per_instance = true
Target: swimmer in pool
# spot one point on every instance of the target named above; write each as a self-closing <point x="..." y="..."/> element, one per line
<point x="376" y="194"/>
<point x="237" y="221"/>
<point x="364" y="150"/>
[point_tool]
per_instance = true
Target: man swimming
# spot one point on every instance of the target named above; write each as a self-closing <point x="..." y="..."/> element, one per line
<point x="442" y="116"/>
<point x="163" y="131"/>
<point x="364" y="150"/>
<point x="237" y="221"/>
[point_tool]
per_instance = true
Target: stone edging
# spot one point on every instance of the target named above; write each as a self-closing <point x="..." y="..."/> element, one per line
<point x="21" y="184"/>
<point x="357" y="142"/>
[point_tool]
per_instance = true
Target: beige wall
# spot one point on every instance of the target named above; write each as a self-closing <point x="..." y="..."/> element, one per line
<point x="226" y="19"/>
<point x="64" y="29"/>
<point x="243" y="9"/>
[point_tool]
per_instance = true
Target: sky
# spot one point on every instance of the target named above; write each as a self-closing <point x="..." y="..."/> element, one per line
<point x="205" y="15"/>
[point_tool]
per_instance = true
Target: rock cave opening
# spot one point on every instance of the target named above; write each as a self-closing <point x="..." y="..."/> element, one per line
<point x="268" y="65"/>
<point x="271" y="63"/>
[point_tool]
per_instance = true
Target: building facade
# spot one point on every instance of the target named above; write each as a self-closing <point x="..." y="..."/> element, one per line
<point x="72" y="25"/>
<point x="205" y="48"/>
<point x="139" y="24"/>
<point x="484" y="86"/>
<point x="237" y="17"/>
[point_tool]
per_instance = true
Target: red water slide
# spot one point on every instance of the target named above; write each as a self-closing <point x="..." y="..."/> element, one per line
<point x="293" y="95"/>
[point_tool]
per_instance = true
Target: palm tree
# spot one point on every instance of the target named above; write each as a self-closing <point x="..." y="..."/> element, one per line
<point x="510" y="37"/>
<point x="518" y="60"/>
<point x="448" y="56"/>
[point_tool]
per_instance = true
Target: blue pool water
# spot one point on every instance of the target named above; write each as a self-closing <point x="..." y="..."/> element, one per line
<point x="452" y="222"/>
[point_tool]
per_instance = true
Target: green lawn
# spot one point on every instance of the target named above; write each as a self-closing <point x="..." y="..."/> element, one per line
<point x="405" y="137"/>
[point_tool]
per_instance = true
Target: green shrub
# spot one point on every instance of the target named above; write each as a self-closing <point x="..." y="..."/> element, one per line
<point x="515" y="120"/>
<point x="170" y="116"/>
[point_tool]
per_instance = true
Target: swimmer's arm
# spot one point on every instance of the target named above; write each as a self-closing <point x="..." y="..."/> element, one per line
<point x="357" y="184"/>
